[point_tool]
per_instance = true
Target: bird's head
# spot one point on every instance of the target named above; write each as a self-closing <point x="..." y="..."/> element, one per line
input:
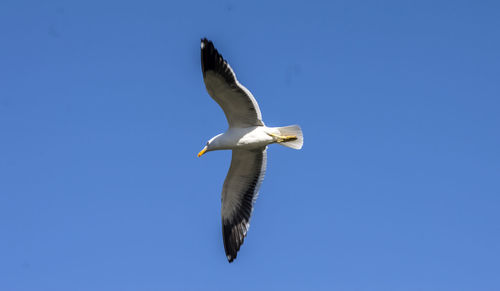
<point x="212" y="144"/>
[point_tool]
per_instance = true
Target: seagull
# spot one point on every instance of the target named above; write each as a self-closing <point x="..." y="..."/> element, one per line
<point x="248" y="138"/>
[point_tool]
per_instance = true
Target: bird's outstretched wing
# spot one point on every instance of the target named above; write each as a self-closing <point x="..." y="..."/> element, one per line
<point x="238" y="103"/>
<point x="240" y="191"/>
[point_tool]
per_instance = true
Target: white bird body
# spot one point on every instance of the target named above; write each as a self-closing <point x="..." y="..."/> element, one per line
<point x="244" y="138"/>
<point x="247" y="137"/>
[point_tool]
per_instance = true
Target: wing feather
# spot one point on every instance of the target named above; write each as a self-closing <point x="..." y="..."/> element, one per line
<point x="239" y="105"/>
<point x="239" y="193"/>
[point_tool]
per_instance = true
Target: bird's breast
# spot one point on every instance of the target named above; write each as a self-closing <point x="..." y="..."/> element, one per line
<point x="249" y="138"/>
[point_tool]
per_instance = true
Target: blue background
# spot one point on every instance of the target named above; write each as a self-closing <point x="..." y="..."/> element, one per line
<point x="103" y="110"/>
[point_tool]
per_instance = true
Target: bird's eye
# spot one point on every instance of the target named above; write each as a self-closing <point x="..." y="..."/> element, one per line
<point x="207" y="142"/>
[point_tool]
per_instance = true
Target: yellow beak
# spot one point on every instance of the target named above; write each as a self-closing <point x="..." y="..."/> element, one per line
<point x="202" y="152"/>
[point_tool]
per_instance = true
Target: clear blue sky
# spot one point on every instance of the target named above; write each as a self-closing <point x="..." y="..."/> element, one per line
<point x="103" y="110"/>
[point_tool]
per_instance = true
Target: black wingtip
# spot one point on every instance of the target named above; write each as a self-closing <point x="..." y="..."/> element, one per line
<point x="207" y="47"/>
<point x="205" y="42"/>
<point x="233" y="234"/>
<point x="231" y="244"/>
<point x="210" y="57"/>
<point x="212" y="60"/>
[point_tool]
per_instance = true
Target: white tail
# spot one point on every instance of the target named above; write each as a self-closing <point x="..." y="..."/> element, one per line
<point x="292" y="130"/>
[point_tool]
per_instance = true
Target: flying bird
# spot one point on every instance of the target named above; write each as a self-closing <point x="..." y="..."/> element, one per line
<point x="248" y="138"/>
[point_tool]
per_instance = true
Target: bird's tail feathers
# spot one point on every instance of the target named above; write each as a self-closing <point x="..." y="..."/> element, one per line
<point x="292" y="130"/>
